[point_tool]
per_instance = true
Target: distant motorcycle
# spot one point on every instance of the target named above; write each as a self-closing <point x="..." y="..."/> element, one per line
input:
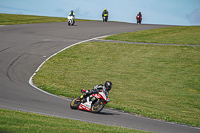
<point x="105" y="17"/>
<point x="139" y="19"/>
<point x="88" y="105"/>
<point x="70" y="20"/>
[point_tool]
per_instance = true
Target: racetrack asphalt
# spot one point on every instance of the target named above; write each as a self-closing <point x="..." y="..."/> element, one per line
<point x="24" y="47"/>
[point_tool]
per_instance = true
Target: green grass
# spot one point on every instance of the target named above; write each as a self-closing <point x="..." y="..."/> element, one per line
<point x="21" y="122"/>
<point x="151" y="80"/>
<point x="170" y="35"/>
<point x="13" y="19"/>
<point x="154" y="81"/>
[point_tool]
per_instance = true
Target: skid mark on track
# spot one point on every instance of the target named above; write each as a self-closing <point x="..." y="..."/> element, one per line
<point x="6" y="48"/>
<point x="9" y="67"/>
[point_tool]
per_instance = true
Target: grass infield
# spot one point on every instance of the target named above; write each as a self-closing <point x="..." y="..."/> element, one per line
<point x="155" y="81"/>
<point x="169" y="35"/>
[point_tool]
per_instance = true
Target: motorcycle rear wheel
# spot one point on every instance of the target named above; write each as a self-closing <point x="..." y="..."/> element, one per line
<point x="97" y="106"/>
<point x="75" y="103"/>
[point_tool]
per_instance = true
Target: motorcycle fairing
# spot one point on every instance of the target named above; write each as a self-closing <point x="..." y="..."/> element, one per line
<point x="101" y="95"/>
<point x="85" y="106"/>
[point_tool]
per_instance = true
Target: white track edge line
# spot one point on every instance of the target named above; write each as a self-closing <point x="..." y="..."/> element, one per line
<point x="31" y="78"/>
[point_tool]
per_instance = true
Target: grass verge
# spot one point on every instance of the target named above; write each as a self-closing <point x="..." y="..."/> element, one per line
<point x="169" y="35"/>
<point x="155" y="81"/>
<point x="21" y="122"/>
<point x="13" y="19"/>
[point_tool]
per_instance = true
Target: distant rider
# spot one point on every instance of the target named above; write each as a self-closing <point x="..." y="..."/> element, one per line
<point x="106" y="87"/>
<point x="72" y="14"/>
<point x="105" y="14"/>
<point x="139" y="16"/>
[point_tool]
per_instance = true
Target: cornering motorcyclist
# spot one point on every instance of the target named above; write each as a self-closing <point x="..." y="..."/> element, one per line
<point x="106" y="87"/>
<point x="105" y="14"/>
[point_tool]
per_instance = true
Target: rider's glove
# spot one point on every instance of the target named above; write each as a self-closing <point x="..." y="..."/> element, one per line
<point x="82" y="91"/>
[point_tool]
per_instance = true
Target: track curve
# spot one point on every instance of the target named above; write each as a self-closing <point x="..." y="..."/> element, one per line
<point x="24" y="47"/>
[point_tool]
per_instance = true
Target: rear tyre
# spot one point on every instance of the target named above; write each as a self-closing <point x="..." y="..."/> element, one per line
<point x="97" y="106"/>
<point x="75" y="103"/>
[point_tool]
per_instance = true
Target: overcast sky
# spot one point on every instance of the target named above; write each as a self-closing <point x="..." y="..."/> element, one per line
<point x="172" y="12"/>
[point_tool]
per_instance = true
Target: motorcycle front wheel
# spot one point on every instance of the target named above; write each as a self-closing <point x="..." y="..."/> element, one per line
<point x="75" y="103"/>
<point x="97" y="106"/>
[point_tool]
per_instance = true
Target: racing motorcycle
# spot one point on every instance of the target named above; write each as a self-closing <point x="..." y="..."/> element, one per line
<point x="139" y="19"/>
<point x="87" y="104"/>
<point x="70" y="20"/>
<point x="105" y="17"/>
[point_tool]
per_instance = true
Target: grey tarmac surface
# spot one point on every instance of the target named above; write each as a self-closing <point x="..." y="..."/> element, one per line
<point x="24" y="47"/>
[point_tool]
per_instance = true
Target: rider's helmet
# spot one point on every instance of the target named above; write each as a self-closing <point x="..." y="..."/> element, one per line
<point x="108" y="85"/>
<point x="72" y="11"/>
<point x="104" y="9"/>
